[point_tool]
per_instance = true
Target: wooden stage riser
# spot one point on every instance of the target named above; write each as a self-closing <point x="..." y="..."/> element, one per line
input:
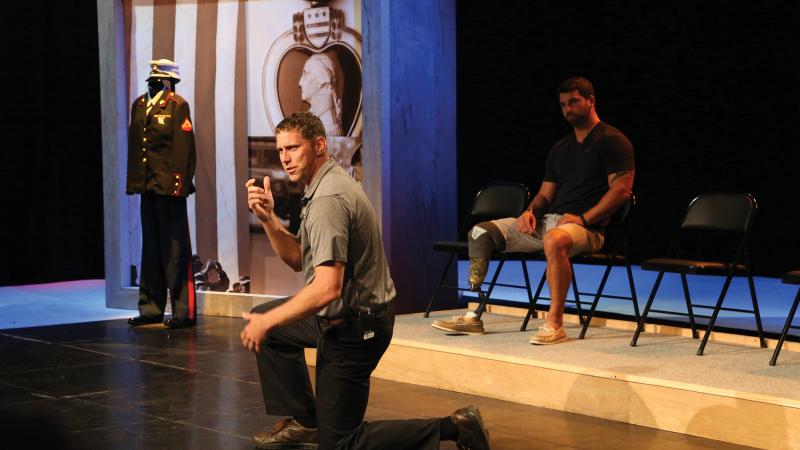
<point x="227" y="304"/>
<point x="708" y="415"/>
<point x="713" y="415"/>
<point x="629" y="325"/>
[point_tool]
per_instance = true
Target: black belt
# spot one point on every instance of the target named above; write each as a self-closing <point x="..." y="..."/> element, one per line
<point x="377" y="309"/>
<point x="325" y="322"/>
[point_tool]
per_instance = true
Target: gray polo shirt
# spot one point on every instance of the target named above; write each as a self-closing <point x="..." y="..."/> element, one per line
<point x="339" y="224"/>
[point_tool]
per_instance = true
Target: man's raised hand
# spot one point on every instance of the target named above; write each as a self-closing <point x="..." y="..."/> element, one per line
<point x="259" y="200"/>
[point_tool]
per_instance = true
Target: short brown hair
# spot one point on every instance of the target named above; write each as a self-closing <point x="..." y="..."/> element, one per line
<point x="305" y="122"/>
<point x="580" y="84"/>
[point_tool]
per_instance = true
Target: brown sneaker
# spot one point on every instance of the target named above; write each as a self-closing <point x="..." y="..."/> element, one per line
<point x="547" y="335"/>
<point x="477" y="272"/>
<point x="472" y="433"/>
<point x="288" y="434"/>
<point x="460" y="325"/>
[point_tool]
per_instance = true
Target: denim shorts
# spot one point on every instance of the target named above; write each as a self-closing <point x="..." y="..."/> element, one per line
<point x="584" y="240"/>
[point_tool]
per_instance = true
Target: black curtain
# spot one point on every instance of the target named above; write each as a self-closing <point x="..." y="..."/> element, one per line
<point x="52" y="227"/>
<point x="706" y="91"/>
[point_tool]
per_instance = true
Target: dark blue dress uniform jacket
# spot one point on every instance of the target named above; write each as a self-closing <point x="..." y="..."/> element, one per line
<point x="161" y="148"/>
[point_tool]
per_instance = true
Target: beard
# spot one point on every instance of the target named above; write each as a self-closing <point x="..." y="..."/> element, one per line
<point x="577" y="120"/>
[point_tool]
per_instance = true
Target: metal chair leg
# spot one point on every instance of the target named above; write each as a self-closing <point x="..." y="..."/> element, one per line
<point x="438" y="286"/>
<point x="715" y="314"/>
<point x="577" y="296"/>
<point x="531" y="311"/>
<point x="633" y="290"/>
<point x="485" y="299"/>
<point x="531" y="300"/>
<point x="640" y="326"/>
<point x="760" y="329"/>
<point x="597" y="296"/>
<point x="785" y="331"/>
<point x="689" y="308"/>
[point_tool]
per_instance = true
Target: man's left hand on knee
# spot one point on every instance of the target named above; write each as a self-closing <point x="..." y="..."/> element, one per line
<point x="254" y="333"/>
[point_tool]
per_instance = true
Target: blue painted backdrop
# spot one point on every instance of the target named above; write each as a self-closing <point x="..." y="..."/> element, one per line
<point x="410" y="115"/>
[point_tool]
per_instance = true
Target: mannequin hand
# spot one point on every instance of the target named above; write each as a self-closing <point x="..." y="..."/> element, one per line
<point x="526" y="223"/>
<point x="571" y="218"/>
<point x="259" y="200"/>
<point x="254" y="333"/>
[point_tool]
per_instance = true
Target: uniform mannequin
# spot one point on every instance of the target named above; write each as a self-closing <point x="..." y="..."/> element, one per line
<point x="161" y="163"/>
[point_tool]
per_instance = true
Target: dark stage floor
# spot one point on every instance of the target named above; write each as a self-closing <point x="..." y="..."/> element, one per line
<point x="102" y="385"/>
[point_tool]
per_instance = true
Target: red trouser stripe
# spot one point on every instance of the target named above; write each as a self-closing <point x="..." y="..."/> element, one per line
<point x="190" y="286"/>
<point x="190" y="278"/>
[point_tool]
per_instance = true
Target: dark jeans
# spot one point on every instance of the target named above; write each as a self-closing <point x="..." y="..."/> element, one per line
<point x="344" y="364"/>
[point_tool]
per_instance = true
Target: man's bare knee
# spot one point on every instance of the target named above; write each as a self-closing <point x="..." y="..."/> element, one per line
<point x="557" y="243"/>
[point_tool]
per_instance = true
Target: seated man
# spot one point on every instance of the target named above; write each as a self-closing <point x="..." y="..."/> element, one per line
<point x="588" y="175"/>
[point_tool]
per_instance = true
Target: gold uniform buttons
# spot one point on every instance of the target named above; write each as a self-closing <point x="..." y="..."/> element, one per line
<point x="144" y="160"/>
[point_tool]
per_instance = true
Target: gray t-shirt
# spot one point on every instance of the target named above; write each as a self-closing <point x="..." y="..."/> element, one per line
<point x="339" y="224"/>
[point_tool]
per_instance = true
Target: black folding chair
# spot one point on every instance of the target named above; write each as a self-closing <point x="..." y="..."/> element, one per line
<point x="792" y="277"/>
<point x="496" y="200"/>
<point x="718" y="214"/>
<point x="614" y="253"/>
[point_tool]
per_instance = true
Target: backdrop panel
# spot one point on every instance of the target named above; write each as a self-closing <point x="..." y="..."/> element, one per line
<point x="244" y="67"/>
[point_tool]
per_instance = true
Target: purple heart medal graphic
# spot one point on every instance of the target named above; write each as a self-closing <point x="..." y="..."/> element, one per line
<point x="316" y="66"/>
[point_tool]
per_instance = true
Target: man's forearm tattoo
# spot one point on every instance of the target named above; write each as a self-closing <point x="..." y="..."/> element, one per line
<point x="619" y="175"/>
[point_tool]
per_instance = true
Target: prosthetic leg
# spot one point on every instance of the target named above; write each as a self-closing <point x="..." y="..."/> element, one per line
<point x="484" y="239"/>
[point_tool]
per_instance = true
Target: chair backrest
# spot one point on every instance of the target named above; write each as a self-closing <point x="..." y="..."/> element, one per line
<point x="500" y="199"/>
<point x="620" y="216"/>
<point x="718" y="211"/>
<point x="616" y="233"/>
